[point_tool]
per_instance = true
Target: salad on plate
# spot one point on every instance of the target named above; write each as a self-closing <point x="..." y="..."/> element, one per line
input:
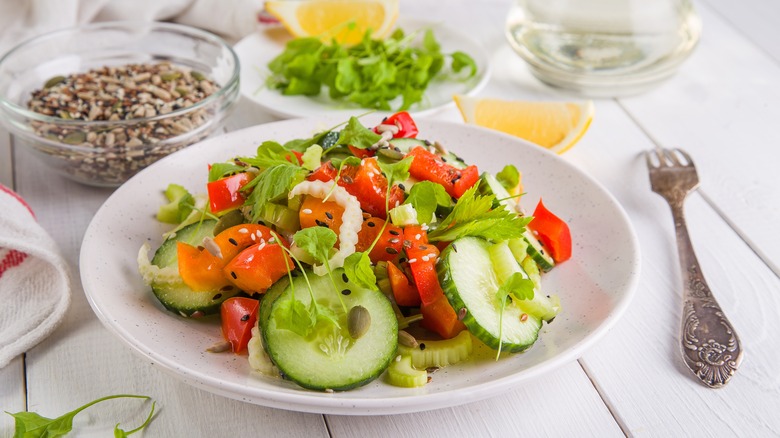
<point x="359" y="251"/>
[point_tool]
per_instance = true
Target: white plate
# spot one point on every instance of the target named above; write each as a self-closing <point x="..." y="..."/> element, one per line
<point x="256" y="50"/>
<point x="595" y="286"/>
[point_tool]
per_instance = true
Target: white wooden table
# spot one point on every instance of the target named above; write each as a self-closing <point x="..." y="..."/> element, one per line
<point x="722" y="107"/>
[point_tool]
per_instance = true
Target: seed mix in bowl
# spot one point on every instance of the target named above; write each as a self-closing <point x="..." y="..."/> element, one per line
<point x="137" y="98"/>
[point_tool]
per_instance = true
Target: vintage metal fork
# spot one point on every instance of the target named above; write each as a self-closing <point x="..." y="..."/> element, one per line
<point x="710" y="346"/>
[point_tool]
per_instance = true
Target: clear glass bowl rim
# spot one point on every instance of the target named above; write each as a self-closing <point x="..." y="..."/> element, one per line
<point x="152" y="25"/>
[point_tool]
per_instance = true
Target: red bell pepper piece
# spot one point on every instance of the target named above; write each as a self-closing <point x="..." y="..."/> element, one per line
<point x="406" y="126"/>
<point x="239" y="315"/>
<point x="389" y="245"/>
<point x="326" y="172"/>
<point x="440" y="317"/>
<point x="405" y="293"/>
<point x="226" y="193"/>
<point x="258" y="267"/>
<point x="239" y="237"/>
<point x="430" y="167"/>
<point x="361" y="153"/>
<point x="369" y="186"/>
<point x="199" y="269"/>
<point x="553" y="232"/>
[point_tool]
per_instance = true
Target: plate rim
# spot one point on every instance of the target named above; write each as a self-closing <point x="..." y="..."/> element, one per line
<point x="314" y="402"/>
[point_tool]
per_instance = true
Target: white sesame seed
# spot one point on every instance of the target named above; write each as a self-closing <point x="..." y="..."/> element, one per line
<point x="243" y="230"/>
<point x="306" y="211"/>
<point x="425" y="258"/>
<point x="417" y="236"/>
<point x="412" y="260"/>
<point x="424" y="227"/>
<point x="370" y="174"/>
<point x="252" y="236"/>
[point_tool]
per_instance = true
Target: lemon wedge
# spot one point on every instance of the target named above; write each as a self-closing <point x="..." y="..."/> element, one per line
<point x="344" y="20"/>
<point x="554" y="125"/>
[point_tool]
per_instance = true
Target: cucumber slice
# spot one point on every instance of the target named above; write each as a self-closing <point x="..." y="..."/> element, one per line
<point x="401" y="373"/>
<point x="535" y="249"/>
<point x="505" y="264"/>
<point x="328" y="358"/>
<point x="178" y="297"/>
<point x="489" y="185"/>
<point x="469" y="280"/>
<point x="439" y="353"/>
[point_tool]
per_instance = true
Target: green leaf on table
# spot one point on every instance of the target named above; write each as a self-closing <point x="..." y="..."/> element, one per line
<point x="33" y="425"/>
<point x="357" y="267"/>
<point x="425" y="197"/>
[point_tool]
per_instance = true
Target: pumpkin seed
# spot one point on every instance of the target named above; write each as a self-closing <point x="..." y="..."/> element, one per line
<point x="56" y="80"/>
<point x="170" y="76"/>
<point x="358" y="321"/>
<point x="75" y="137"/>
<point x="197" y="75"/>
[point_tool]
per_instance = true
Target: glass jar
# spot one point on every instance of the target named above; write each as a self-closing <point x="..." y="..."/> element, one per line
<point x="603" y="48"/>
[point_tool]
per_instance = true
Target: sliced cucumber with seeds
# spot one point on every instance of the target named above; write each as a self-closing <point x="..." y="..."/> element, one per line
<point x="440" y="353"/>
<point x="178" y="297"/>
<point x="505" y="265"/>
<point x="469" y="281"/>
<point x="535" y="249"/>
<point x="328" y="357"/>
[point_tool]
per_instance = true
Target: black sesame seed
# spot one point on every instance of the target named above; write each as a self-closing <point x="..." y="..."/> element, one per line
<point x="391" y="250"/>
<point x="407" y="244"/>
<point x="423" y="247"/>
<point x="261" y="223"/>
<point x="344" y="277"/>
<point x="245" y="317"/>
<point x="422" y="346"/>
<point x="371" y="224"/>
<point x="403" y="187"/>
<point x="347" y="179"/>
<point x="329" y="215"/>
<point x="444" y="159"/>
<point x="226" y="288"/>
<point x="346" y="292"/>
<point x="402" y="260"/>
<point x="394" y="233"/>
<point x="321" y="223"/>
<point x="233" y="241"/>
<point x="216" y="297"/>
<point x="454" y="248"/>
<point x="233" y="274"/>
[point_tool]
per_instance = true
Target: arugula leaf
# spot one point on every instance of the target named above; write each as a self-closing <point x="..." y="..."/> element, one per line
<point x="372" y="73"/>
<point x="509" y="177"/>
<point x="357" y="135"/>
<point x="311" y="158"/>
<point x="219" y="170"/>
<point x="473" y="215"/>
<point x="120" y="433"/>
<point x="425" y="196"/>
<point x="180" y="205"/>
<point x="32" y="425"/>
<point x="358" y="268"/>
<point x="317" y="241"/>
<point x="271" y="185"/>
<point x="517" y="286"/>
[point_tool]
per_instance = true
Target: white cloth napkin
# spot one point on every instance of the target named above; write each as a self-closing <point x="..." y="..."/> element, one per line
<point x="34" y="279"/>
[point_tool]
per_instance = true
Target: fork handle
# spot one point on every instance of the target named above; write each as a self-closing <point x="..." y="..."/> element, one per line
<point x="710" y="346"/>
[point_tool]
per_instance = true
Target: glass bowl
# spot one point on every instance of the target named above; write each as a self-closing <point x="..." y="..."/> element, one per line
<point x="99" y="145"/>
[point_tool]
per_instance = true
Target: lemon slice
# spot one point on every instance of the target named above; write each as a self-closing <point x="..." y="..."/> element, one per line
<point x="344" y="20"/>
<point x="554" y="125"/>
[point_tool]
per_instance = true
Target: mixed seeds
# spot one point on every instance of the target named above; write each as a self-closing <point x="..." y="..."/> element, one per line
<point x="109" y="153"/>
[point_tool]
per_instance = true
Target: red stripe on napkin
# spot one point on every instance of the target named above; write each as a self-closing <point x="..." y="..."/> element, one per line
<point x="17" y="197"/>
<point x="12" y="259"/>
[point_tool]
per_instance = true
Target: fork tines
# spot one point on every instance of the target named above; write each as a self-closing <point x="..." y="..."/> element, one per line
<point x="667" y="157"/>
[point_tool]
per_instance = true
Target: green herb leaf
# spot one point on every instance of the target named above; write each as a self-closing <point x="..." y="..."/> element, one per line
<point x="461" y="60"/>
<point x="220" y="170"/>
<point x="473" y="216"/>
<point x="518" y="286"/>
<point x="119" y="433"/>
<point x="293" y="315"/>
<point x="358" y="268"/>
<point x="317" y="241"/>
<point x="509" y="178"/>
<point x="32" y="425"/>
<point x="396" y="172"/>
<point x="357" y="135"/>
<point x="272" y="185"/>
<point x="425" y="196"/>
<point x="311" y="158"/>
<point x="269" y="154"/>
<point x="180" y="205"/>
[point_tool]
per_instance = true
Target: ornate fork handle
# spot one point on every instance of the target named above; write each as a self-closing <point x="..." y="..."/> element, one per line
<point x="710" y="346"/>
